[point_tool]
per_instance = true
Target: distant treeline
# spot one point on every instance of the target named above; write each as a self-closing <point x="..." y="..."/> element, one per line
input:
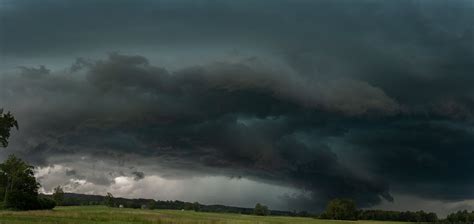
<point x="346" y="209"/>
<point x="460" y="217"/>
<point x="72" y="199"/>
<point x="407" y="216"/>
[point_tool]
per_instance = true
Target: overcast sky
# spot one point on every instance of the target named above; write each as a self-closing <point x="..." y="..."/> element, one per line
<point x="289" y="103"/>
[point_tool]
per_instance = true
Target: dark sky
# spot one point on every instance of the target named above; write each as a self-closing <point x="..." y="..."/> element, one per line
<point x="285" y="102"/>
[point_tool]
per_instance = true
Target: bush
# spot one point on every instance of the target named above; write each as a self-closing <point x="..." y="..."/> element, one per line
<point x="46" y="203"/>
<point x="19" y="200"/>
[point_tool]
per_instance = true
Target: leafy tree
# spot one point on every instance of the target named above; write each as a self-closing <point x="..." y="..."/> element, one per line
<point x="261" y="210"/>
<point x="7" y="122"/>
<point x="58" y="195"/>
<point x="341" y="209"/>
<point x="110" y="200"/>
<point x="188" y="206"/>
<point x="18" y="186"/>
<point x="151" y="205"/>
<point x="19" y="189"/>
<point x="432" y="217"/>
<point x="196" y="206"/>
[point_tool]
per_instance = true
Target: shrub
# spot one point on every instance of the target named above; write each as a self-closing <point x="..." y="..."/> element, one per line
<point x="46" y="203"/>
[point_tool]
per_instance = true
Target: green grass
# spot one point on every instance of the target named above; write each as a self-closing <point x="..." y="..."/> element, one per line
<point x="100" y="214"/>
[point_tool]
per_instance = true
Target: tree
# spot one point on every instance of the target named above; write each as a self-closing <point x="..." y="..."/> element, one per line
<point x="58" y="195"/>
<point x="261" y="210"/>
<point x="109" y="200"/>
<point x="151" y="205"/>
<point x="341" y="209"/>
<point x="196" y="206"/>
<point x="7" y="122"/>
<point x="19" y="189"/>
<point x="18" y="186"/>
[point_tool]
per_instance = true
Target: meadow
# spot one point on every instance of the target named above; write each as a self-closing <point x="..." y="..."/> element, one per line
<point x="102" y="214"/>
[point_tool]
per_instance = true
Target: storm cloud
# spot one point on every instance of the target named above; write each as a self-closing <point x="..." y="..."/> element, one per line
<point x="333" y="98"/>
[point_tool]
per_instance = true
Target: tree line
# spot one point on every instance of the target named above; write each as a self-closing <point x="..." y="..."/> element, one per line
<point x="346" y="209"/>
<point x="460" y="217"/>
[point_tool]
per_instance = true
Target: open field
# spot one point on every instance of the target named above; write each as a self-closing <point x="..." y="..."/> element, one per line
<point x="100" y="214"/>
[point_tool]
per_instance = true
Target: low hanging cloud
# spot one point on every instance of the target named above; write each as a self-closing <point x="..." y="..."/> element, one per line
<point x="238" y="117"/>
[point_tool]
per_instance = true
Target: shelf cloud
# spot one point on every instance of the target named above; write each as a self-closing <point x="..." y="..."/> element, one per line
<point x="319" y="99"/>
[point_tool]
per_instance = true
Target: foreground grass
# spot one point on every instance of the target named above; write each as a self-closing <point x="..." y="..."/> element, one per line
<point x="100" y="214"/>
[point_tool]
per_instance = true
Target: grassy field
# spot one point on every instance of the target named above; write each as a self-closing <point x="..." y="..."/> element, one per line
<point x="99" y="214"/>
